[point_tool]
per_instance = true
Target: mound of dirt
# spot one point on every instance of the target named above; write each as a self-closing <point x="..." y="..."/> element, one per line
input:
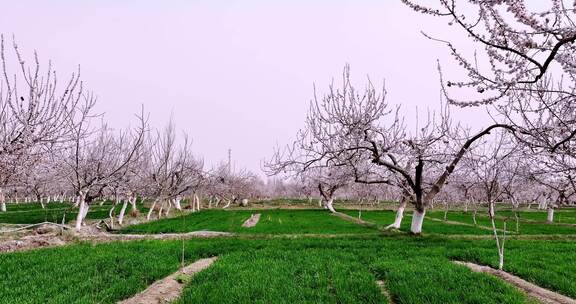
<point x="31" y="242"/>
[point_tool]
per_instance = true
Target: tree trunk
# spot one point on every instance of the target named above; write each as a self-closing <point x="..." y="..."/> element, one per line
<point x="543" y="203"/>
<point x="151" y="209"/>
<point x="417" y="221"/>
<point x="329" y="205"/>
<point x="81" y="214"/>
<point x="197" y="200"/>
<point x="168" y="208"/>
<point x="177" y="204"/>
<point x="122" y="212"/>
<point x="550" y="216"/>
<point x="111" y="214"/>
<point x="517" y="221"/>
<point x="2" y="201"/>
<point x="499" y="245"/>
<point x="399" y="215"/>
<point x="134" y="209"/>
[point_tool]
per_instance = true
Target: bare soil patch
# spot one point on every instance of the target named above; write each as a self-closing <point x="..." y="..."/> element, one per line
<point x="384" y="291"/>
<point x="169" y="288"/>
<point x="542" y="295"/>
<point x="104" y="237"/>
<point x="462" y="224"/>
<point x="26" y="237"/>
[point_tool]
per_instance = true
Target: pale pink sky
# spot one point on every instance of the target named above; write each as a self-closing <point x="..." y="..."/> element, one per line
<point x="234" y="74"/>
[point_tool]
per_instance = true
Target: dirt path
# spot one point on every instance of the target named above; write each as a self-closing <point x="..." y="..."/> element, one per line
<point x="35" y="239"/>
<point x="105" y="237"/>
<point x="252" y="221"/>
<point x="540" y="294"/>
<point x="356" y="220"/>
<point x="169" y="288"/>
<point x="384" y="291"/>
<point x="465" y="224"/>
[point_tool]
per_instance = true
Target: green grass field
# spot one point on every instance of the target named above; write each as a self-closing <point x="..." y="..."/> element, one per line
<point x="285" y="258"/>
<point x="335" y="270"/>
<point x="32" y="213"/>
<point x="272" y="221"/>
<point x="526" y="225"/>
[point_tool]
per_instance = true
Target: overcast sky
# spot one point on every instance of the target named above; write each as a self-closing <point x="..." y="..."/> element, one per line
<point x="233" y="74"/>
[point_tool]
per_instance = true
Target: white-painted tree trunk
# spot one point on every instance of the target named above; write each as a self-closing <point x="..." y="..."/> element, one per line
<point x="2" y="201"/>
<point x="122" y="212"/>
<point x="168" y="208"/>
<point x="111" y="214"/>
<point x="399" y="215"/>
<point x="398" y="219"/>
<point x="161" y="210"/>
<point x="134" y="208"/>
<point x="320" y="203"/>
<point x="329" y="205"/>
<point x="176" y="202"/>
<point x="543" y="204"/>
<point x="197" y="202"/>
<point x="81" y="214"/>
<point x="228" y="202"/>
<point x="550" y="215"/>
<point x="499" y="245"/>
<point x="151" y="209"/>
<point x="417" y="221"/>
